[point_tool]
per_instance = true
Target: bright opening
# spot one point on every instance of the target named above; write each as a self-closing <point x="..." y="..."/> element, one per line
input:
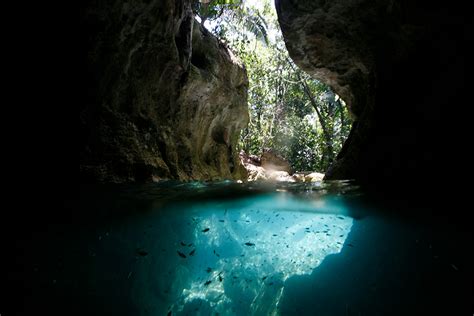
<point x="298" y="124"/>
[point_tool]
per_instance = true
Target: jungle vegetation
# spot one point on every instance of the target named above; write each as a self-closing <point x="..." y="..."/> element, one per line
<point x="291" y="114"/>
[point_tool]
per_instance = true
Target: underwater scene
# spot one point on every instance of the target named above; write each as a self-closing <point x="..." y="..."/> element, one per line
<point x="225" y="248"/>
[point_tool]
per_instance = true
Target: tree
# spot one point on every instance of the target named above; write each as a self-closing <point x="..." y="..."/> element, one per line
<point x="296" y="116"/>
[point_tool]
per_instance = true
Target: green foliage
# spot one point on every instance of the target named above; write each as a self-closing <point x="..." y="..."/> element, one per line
<point x="214" y="8"/>
<point x="296" y="116"/>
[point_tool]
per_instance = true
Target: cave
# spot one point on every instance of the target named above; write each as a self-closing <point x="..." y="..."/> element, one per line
<point x="390" y="61"/>
<point x="165" y="222"/>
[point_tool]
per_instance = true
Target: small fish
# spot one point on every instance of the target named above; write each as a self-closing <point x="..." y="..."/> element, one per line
<point x="274" y="235"/>
<point x="183" y="244"/>
<point x="249" y="244"/>
<point x="205" y="230"/>
<point x="192" y="252"/>
<point x="221" y="220"/>
<point x="169" y="313"/>
<point x="142" y="252"/>
<point x="207" y="283"/>
<point x="271" y="283"/>
<point x="182" y="255"/>
<point x="220" y="278"/>
<point x="189" y="245"/>
<point x="209" y="269"/>
<point x="264" y="278"/>
<point x="216" y="253"/>
<point x="350" y="245"/>
<point x="340" y="217"/>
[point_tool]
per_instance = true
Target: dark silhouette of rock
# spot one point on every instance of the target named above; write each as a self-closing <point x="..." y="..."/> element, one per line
<point x="400" y="67"/>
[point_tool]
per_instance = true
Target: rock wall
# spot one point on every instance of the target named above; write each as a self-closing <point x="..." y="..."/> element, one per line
<point x="400" y="67"/>
<point x="164" y="98"/>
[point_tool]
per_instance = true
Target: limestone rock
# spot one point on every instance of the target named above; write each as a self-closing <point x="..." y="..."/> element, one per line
<point x="314" y="177"/>
<point x="270" y="167"/>
<point x="164" y="99"/>
<point x="279" y="176"/>
<point x="391" y="61"/>
<point x="252" y="159"/>
<point x="298" y="177"/>
<point x="272" y="161"/>
<point x="255" y="172"/>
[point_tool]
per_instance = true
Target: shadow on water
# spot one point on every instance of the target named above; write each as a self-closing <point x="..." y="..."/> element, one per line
<point x="385" y="268"/>
<point x="242" y="249"/>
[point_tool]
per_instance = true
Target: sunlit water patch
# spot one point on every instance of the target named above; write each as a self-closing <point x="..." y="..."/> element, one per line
<point x="233" y="258"/>
<point x="199" y="248"/>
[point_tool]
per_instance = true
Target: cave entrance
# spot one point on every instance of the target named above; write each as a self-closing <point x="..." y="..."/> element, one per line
<point x="298" y="133"/>
<point x="297" y="124"/>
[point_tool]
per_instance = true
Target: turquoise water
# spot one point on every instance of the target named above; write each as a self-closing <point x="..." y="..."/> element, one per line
<point x="242" y="249"/>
